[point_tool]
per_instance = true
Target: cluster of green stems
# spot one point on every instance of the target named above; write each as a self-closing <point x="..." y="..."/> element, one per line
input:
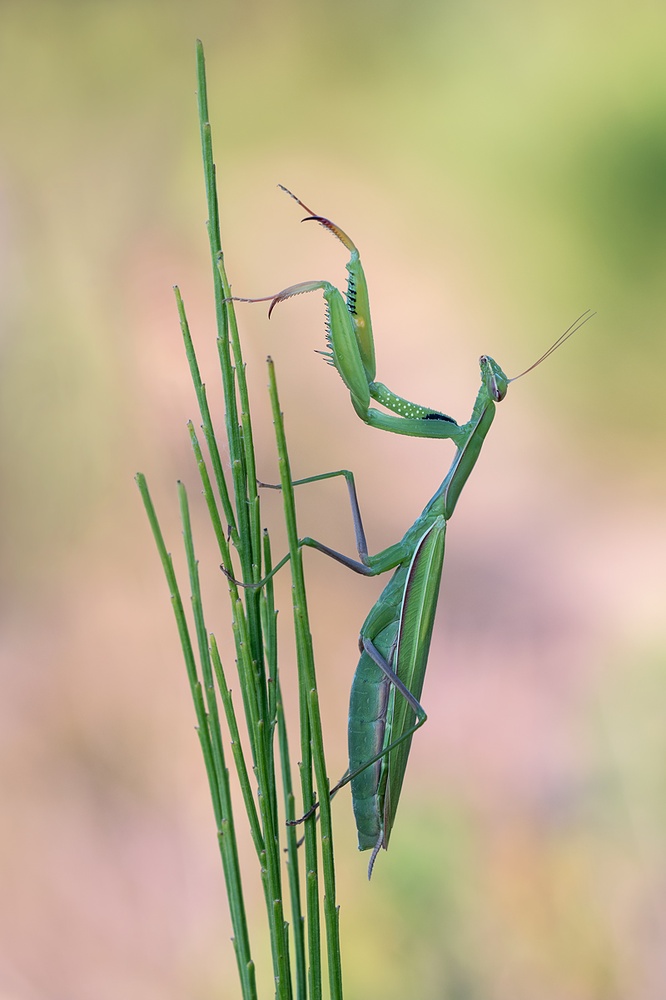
<point x="257" y="739"/>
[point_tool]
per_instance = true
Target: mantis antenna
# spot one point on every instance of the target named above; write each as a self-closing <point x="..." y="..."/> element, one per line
<point x="569" y="332"/>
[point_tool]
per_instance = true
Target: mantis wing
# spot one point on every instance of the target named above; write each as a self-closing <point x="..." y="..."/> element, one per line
<point x="417" y="617"/>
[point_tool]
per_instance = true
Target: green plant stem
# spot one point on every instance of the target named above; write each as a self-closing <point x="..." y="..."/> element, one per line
<point x="209" y="737"/>
<point x="247" y="630"/>
<point x="308" y="686"/>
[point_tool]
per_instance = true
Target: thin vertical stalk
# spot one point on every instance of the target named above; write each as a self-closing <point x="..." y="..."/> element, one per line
<point x="270" y="634"/>
<point x="247" y="630"/>
<point x="212" y="749"/>
<point x="308" y="687"/>
<point x="207" y="421"/>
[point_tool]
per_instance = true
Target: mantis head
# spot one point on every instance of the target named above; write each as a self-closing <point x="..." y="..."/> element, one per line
<point x="493" y="378"/>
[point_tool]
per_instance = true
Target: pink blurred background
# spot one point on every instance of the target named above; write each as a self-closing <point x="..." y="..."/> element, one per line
<point x="502" y="168"/>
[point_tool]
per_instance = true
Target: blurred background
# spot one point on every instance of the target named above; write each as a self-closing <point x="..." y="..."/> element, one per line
<point x="502" y="168"/>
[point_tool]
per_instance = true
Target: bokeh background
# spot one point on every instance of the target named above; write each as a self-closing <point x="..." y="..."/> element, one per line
<point x="502" y="168"/>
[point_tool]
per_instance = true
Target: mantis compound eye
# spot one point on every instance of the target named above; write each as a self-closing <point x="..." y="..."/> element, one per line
<point x="497" y="392"/>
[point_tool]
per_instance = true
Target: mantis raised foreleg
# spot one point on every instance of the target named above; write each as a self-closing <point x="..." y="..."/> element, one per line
<point x="394" y="640"/>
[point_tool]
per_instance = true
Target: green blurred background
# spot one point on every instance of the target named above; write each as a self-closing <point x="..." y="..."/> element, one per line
<point x="502" y="168"/>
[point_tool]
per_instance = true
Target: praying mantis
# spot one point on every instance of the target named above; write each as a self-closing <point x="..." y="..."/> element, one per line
<point x="394" y="640"/>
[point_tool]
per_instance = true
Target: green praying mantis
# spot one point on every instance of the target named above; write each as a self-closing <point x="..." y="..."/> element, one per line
<point x="394" y="641"/>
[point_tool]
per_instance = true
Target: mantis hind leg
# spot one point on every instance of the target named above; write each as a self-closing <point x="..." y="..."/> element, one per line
<point x="421" y="717"/>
